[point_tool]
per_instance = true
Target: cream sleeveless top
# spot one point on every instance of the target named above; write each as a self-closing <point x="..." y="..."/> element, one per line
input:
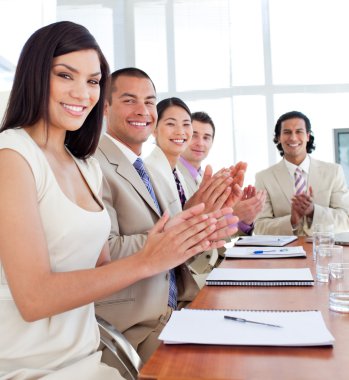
<point x="75" y="238"/>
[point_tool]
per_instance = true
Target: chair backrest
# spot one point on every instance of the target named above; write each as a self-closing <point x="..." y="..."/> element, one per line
<point x="120" y="347"/>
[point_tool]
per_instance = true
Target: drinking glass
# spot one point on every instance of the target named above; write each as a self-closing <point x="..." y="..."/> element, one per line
<point x="327" y="254"/>
<point x="323" y="234"/>
<point x="339" y="287"/>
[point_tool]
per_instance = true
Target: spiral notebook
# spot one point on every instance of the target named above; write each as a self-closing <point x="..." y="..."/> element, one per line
<point x="266" y="240"/>
<point x="253" y="328"/>
<point x="260" y="277"/>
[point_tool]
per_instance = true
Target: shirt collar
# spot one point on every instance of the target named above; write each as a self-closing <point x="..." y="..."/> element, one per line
<point x="304" y="165"/>
<point x="192" y="170"/>
<point x="130" y="155"/>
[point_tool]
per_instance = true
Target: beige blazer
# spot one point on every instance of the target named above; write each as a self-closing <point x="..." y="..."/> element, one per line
<point x="191" y="183"/>
<point x="160" y="170"/>
<point x="165" y="186"/>
<point x="331" y="198"/>
<point x="136" y="310"/>
<point x="159" y="167"/>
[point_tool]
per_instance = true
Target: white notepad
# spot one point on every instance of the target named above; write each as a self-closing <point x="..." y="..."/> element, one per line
<point x="264" y="252"/>
<point x="260" y="277"/>
<point x="266" y="240"/>
<point x="299" y="328"/>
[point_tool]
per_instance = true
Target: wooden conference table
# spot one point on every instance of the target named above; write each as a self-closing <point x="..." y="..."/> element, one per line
<point x="184" y="362"/>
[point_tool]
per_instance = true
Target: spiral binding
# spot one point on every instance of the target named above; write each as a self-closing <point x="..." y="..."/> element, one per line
<point x="257" y="310"/>
<point x="259" y="283"/>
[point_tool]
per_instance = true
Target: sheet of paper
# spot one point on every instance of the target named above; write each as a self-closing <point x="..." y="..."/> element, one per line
<point x="259" y="274"/>
<point x="265" y="252"/>
<point x="299" y="328"/>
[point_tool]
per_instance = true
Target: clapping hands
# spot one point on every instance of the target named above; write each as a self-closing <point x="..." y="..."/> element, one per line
<point x="222" y="189"/>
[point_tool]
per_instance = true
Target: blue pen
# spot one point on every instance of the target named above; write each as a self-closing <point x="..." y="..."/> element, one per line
<point x="273" y="250"/>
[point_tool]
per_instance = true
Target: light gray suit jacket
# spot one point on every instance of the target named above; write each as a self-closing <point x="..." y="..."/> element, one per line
<point x="159" y="167"/>
<point x="330" y="196"/>
<point x="191" y="183"/>
<point x="136" y="310"/>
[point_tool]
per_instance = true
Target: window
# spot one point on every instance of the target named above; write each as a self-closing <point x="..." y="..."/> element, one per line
<point x="245" y="62"/>
<point x="15" y="28"/>
<point x="308" y="40"/>
<point x="150" y="42"/>
<point x="202" y="53"/>
<point x="97" y="19"/>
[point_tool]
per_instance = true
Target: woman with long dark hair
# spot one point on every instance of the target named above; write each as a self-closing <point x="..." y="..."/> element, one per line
<point x="54" y="256"/>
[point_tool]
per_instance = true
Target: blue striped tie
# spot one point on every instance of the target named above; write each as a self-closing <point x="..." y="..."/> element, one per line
<point x="139" y="166"/>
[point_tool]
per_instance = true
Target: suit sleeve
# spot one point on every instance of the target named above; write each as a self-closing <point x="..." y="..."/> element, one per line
<point x="337" y="212"/>
<point x="266" y="222"/>
<point x="120" y="245"/>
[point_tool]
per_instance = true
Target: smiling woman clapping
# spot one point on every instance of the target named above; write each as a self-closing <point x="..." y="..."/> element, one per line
<point x="54" y="256"/>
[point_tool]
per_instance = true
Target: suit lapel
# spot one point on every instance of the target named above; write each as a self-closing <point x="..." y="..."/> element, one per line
<point x="314" y="174"/>
<point x="163" y="181"/>
<point x="125" y="169"/>
<point x="282" y="176"/>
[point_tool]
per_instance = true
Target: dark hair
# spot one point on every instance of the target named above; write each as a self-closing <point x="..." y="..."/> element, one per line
<point x="293" y="115"/>
<point x="29" y="98"/>
<point x="203" y="117"/>
<point x="162" y="106"/>
<point x="132" y="72"/>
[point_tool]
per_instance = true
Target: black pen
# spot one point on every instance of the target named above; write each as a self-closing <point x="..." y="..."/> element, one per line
<point x="236" y="319"/>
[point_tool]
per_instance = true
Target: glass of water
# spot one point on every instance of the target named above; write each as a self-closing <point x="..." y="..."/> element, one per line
<point x="339" y="287"/>
<point x="323" y="234"/>
<point x="327" y="254"/>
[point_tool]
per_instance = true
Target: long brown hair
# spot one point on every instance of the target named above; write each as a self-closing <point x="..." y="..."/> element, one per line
<point x="29" y="98"/>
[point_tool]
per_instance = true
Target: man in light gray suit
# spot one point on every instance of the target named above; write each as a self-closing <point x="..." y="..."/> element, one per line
<point x="301" y="191"/>
<point x="190" y="162"/>
<point x="134" y="205"/>
<point x="189" y="165"/>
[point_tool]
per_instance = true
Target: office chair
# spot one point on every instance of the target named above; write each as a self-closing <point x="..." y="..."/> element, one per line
<point x="120" y="347"/>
